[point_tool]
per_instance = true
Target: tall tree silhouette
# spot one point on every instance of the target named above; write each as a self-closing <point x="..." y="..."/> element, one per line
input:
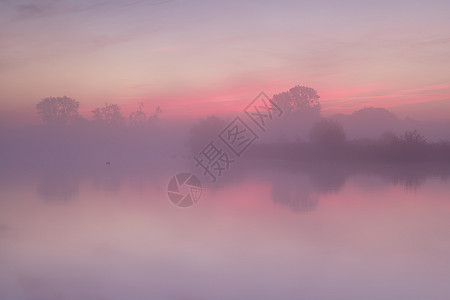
<point x="301" y="108"/>
<point x="155" y="115"/>
<point x="109" y="114"/>
<point x="58" y="110"/>
<point x="412" y="138"/>
<point x="298" y="98"/>
<point x="138" y="117"/>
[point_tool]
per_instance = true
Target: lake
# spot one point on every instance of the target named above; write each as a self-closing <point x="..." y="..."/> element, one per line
<point x="264" y="231"/>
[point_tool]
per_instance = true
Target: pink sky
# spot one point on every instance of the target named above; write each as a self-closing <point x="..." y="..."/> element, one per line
<point x="212" y="57"/>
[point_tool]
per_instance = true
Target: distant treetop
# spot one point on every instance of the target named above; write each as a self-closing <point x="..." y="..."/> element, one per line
<point x="58" y="110"/>
<point x="109" y="114"/>
<point x="298" y="98"/>
<point x="138" y="117"/>
<point x="374" y="113"/>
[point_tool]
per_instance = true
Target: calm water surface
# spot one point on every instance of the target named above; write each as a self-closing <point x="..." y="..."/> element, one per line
<point x="271" y="233"/>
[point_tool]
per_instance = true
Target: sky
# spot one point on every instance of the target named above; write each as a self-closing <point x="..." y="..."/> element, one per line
<point x="197" y="58"/>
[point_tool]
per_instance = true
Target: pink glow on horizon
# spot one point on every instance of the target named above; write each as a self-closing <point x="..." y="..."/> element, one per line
<point x="191" y="59"/>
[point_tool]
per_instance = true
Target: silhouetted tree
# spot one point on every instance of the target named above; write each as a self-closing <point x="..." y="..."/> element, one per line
<point x="58" y="110"/>
<point x="327" y="133"/>
<point x="109" y="114"/>
<point x="298" y="98"/>
<point x="412" y="138"/>
<point x="155" y="115"/>
<point x="412" y="145"/>
<point x="301" y="108"/>
<point x="138" y="117"/>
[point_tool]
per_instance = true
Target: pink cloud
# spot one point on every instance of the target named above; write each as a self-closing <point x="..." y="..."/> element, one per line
<point x="428" y="88"/>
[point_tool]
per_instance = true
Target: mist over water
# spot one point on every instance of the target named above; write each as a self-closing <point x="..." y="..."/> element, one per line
<point x="181" y="150"/>
<point x="269" y="230"/>
<point x="313" y="213"/>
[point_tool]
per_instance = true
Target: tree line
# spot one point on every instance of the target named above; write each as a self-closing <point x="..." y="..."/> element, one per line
<point x="326" y="138"/>
<point x="327" y="141"/>
<point x="64" y="110"/>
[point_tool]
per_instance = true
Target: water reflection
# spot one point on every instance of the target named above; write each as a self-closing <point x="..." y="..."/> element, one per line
<point x="296" y="186"/>
<point x="328" y="180"/>
<point x="352" y="231"/>
<point x="58" y="187"/>
<point x="3" y="227"/>
<point x="299" y="187"/>
<point x="295" y="192"/>
<point x="108" y="181"/>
